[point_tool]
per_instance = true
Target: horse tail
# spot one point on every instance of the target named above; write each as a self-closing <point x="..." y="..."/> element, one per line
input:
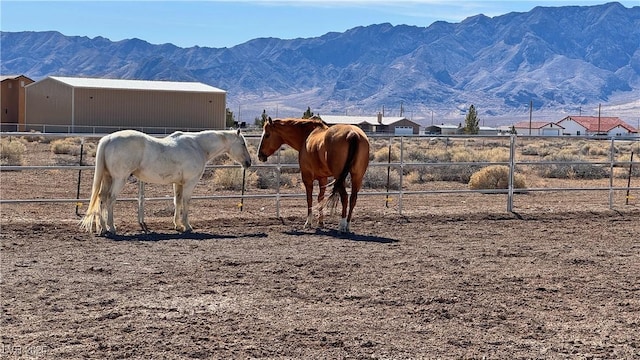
<point x="94" y="204"/>
<point x="339" y="183"/>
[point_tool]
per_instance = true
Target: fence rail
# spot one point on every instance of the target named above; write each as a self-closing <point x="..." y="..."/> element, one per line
<point x="400" y="165"/>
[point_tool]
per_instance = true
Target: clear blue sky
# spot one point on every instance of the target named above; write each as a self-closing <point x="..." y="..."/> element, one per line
<point x="228" y="23"/>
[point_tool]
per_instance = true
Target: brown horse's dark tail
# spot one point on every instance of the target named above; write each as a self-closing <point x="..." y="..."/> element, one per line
<point x="339" y="183"/>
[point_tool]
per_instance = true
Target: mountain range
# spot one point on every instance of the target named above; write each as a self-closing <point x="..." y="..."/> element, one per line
<point x="563" y="60"/>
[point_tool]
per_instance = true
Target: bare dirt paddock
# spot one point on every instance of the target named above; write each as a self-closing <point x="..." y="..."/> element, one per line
<point x="427" y="284"/>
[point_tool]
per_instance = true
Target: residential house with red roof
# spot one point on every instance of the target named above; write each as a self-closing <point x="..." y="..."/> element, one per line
<point x="595" y="125"/>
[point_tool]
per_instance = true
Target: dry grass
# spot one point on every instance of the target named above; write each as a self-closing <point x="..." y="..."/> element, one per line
<point x="495" y="177"/>
<point x="12" y="151"/>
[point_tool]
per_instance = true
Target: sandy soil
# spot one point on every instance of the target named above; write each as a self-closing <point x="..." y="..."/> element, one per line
<point x="453" y="276"/>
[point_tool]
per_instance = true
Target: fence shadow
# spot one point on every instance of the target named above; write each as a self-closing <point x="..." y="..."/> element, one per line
<point x="346" y="236"/>
<point x="156" y="237"/>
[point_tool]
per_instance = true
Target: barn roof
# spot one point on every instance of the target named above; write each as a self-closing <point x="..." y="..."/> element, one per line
<point x="604" y="124"/>
<point x="95" y="83"/>
<point x="12" y="77"/>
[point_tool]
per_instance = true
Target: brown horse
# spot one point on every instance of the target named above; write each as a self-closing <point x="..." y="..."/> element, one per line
<point x="323" y="152"/>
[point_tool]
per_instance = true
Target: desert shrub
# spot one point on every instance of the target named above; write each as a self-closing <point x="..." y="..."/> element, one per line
<point x="531" y="150"/>
<point x="231" y="178"/>
<point x="69" y="146"/>
<point x="72" y="146"/>
<point x="496" y="154"/>
<point x="462" y="155"/>
<point x="429" y="156"/>
<point x="268" y="179"/>
<point x="376" y="178"/>
<point x="461" y="173"/>
<point x="36" y="137"/>
<point x="570" y="169"/>
<point x="382" y="154"/>
<point x="11" y="151"/>
<point x="635" y="166"/>
<point x="495" y="177"/>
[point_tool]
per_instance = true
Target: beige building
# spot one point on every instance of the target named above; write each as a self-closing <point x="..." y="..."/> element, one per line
<point x="69" y="104"/>
<point x="12" y="98"/>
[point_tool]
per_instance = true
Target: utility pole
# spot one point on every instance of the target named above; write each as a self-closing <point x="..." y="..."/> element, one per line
<point x="530" y="114"/>
<point x="599" y="119"/>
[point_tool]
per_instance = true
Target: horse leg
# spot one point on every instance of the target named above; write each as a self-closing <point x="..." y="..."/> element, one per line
<point x="178" y="205"/>
<point x="187" y="190"/>
<point x="344" y="199"/>
<point x="116" y="188"/>
<point x="322" y="184"/>
<point x="105" y="191"/>
<point x="356" y="184"/>
<point x="308" y="186"/>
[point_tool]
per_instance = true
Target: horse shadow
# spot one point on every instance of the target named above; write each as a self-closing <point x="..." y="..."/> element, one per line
<point x="201" y="236"/>
<point x="347" y="236"/>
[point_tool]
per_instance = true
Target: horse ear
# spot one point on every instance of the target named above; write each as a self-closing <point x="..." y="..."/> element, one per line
<point x="238" y="131"/>
<point x="270" y="120"/>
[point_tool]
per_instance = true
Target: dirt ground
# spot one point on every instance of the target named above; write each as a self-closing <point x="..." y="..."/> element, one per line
<point x="453" y="276"/>
<point x="246" y="284"/>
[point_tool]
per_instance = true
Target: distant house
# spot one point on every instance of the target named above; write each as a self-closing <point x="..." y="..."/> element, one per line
<point x="12" y="101"/>
<point x="443" y="129"/>
<point x="538" y="128"/>
<point x="594" y="125"/>
<point x="487" y="130"/>
<point x="63" y="104"/>
<point x="376" y="124"/>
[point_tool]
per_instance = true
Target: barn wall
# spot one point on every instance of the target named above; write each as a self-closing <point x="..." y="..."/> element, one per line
<point x="9" y="102"/>
<point x="48" y="102"/>
<point x="150" y="109"/>
<point x="12" y="102"/>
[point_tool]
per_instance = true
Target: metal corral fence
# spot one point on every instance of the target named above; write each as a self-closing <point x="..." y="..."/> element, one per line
<point x="400" y="164"/>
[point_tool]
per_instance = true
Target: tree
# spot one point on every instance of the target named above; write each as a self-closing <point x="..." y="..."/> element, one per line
<point x="471" y="121"/>
<point x="307" y="114"/>
<point x="229" y="119"/>
<point x="259" y="121"/>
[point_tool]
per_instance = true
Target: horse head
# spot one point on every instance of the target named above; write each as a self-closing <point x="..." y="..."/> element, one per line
<point x="238" y="151"/>
<point x="270" y="141"/>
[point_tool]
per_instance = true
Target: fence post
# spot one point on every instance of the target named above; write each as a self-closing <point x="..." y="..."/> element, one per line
<point x="387" y="198"/>
<point x="401" y="174"/>
<point x="512" y="170"/>
<point x="79" y="177"/>
<point x="278" y="188"/>
<point x="613" y="158"/>
<point x="626" y="202"/>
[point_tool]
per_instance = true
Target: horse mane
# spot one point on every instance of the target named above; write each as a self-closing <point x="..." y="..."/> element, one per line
<point x="313" y="122"/>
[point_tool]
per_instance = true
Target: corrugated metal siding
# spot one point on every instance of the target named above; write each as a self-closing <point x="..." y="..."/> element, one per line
<point x="139" y="109"/>
<point x="48" y="102"/>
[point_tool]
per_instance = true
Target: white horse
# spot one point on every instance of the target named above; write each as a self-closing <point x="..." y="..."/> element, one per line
<point x="177" y="159"/>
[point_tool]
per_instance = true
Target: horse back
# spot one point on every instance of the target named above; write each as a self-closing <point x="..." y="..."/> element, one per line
<point x="329" y="149"/>
<point x="340" y="138"/>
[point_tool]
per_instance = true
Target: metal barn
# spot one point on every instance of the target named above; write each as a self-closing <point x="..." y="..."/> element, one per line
<point x="12" y="98"/>
<point x="89" y="105"/>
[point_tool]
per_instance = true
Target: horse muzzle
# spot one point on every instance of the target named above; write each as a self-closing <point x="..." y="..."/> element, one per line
<point x="262" y="157"/>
